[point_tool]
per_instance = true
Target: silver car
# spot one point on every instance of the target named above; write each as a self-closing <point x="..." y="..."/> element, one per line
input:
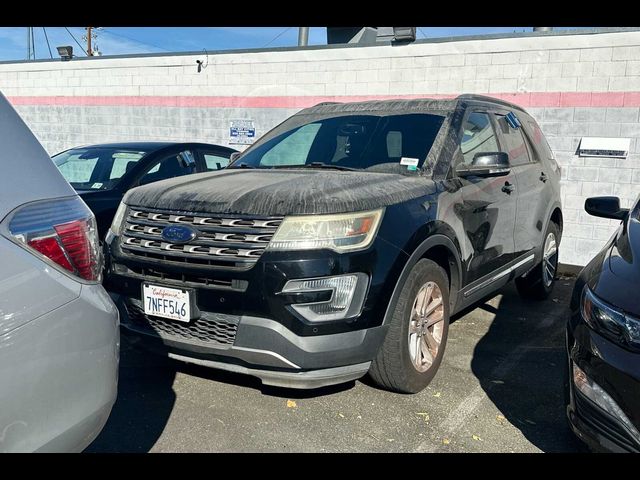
<point x="59" y="330"/>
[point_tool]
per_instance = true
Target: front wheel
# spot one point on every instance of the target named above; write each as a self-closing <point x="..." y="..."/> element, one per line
<point x="413" y="348"/>
<point x="538" y="283"/>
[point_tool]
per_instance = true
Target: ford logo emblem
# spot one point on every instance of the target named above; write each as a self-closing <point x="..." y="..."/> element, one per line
<point x="178" y="234"/>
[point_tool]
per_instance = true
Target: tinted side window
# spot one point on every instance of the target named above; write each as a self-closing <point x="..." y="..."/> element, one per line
<point x="477" y="136"/>
<point x="513" y="142"/>
<point x="538" y="139"/>
<point x="168" y="167"/>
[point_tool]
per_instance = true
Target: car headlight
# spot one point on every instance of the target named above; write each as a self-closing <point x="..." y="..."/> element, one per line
<point x="118" y="218"/>
<point x="609" y="321"/>
<point x="342" y="233"/>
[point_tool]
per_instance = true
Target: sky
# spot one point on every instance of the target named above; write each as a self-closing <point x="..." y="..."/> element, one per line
<point x="132" y="40"/>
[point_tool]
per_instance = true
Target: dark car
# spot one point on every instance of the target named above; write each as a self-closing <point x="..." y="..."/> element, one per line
<point x="101" y="174"/>
<point x="603" y="337"/>
<point x="341" y="242"/>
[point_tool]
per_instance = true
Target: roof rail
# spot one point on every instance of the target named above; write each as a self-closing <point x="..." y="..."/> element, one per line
<point x="485" y="98"/>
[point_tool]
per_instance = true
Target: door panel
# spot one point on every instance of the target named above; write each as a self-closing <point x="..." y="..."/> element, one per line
<point x="532" y="191"/>
<point x="531" y="207"/>
<point x="487" y="210"/>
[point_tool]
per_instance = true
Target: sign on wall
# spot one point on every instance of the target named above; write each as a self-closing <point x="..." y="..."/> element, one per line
<point x="242" y="132"/>
<point x="604" y="147"/>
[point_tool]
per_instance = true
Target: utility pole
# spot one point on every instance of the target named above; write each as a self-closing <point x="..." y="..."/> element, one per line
<point x="89" y="49"/>
<point x="303" y="36"/>
<point x="31" y="45"/>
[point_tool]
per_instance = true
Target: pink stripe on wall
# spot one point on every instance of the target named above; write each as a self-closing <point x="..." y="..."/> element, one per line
<point x="533" y="99"/>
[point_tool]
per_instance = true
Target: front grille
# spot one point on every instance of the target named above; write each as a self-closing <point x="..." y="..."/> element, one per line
<point x="234" y="242"/>
<point x="603" y="423"/>
<point x="211" y="329"/>
<point x="179" y="279"/>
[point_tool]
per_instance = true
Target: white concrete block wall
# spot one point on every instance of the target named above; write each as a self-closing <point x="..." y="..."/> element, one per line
<point x="574" y="85"/>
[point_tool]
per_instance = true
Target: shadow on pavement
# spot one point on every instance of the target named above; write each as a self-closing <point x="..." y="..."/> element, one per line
<point x="520" y="365"/>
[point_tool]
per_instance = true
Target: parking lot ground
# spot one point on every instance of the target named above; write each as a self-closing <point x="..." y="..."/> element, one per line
<point x="499" y="389"/>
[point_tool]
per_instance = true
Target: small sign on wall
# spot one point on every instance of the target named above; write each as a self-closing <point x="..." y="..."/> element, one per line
<point x="242" y="132"/>
<point x="604" y="147"/>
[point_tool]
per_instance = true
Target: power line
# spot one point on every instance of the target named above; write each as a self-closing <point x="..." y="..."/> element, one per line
<point x="423" y="34"/>
<point x="134" y="40"/>
<point x="278" y="36"/>
<point x="76" y="40"/>
<point x="47" y="39"/>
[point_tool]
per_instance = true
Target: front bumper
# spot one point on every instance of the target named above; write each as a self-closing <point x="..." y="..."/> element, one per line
<point x="261" y="347"/>
<point x="616" y="371"/>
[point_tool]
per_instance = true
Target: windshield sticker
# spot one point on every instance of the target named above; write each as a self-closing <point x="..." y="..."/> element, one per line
<point x="96" y="185"/>
<point x="409" y="162"/>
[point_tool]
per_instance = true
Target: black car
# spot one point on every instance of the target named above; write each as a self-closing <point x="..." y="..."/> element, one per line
<point x="103" y="173"/>
<point x="603" y="337"/>
<point x="341" y="242"/>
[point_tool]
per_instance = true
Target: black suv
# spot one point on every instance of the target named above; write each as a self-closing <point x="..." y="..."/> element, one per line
<point x="341" y="242"/>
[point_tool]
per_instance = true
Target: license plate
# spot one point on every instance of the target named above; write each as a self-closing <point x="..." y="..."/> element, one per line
<point x="172" y="303"/>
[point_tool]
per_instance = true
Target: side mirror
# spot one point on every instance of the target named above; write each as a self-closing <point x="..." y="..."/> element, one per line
<point x="605" y="207"/>
<point x="486" y="164"/>
<point x="234" y="156"/>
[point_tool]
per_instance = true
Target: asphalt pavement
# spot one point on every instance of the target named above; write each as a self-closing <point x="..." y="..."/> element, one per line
<point x="499" y="389"/>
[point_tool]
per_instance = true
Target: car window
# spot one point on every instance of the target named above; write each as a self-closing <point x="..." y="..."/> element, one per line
<point x="538" y="139"/>
<point x="477" y="136"/>
<point x="394" y="143"/>
<point x="95" y="168"/>
<point x="78" y="170"/>
<point x="294" y="149"/>
<point x="215" y="162"/>
<point x="168" y="167"/>
<point x="514" y="142"/>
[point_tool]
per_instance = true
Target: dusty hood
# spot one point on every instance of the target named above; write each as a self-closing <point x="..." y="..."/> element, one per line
<point x="26" y="170"/>
<point x="280" y="192"/>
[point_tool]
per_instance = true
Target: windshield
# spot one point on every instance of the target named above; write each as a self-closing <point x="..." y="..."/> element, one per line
<point x="394" y="143"/>
<point x="95" y="168"/>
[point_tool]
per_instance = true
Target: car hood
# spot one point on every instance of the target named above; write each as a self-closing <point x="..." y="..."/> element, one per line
<point x="280" y="192"/>
<point x="618" y="282"/>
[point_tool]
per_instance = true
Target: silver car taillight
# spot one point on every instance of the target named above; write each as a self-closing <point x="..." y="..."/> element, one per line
<point x="63" y="232"/>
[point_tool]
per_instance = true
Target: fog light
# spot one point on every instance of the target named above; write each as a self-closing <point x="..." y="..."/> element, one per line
<point x="597" y="395"/>
<point x="347" y="296"/>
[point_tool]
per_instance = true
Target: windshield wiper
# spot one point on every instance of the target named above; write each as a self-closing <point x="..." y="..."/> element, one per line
<point x="324" y="165"/>
<point x="241" y="165"/>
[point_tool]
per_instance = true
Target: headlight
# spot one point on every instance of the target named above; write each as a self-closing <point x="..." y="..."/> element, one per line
<point x="609" y="321"/>
<point x="118" y="218"/>
<point x="342" y="233"/>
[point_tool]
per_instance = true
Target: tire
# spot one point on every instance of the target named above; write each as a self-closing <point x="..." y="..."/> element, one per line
<point x="393" y="368"/>
<point x="535" y="285"/>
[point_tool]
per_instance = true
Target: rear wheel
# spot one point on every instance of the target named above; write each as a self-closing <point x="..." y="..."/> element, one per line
<point x="413" y="348"/>
<point x="539" y="282"/>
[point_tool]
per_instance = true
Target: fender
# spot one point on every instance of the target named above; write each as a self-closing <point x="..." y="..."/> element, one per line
<point x="432" y="241"/>
<point x="555" y="205"/>
<point x="538" y="250"/>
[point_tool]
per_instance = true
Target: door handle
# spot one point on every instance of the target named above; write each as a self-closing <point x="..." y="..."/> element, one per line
<point x="543" y="177"/>
<point x="508" y="188"/>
